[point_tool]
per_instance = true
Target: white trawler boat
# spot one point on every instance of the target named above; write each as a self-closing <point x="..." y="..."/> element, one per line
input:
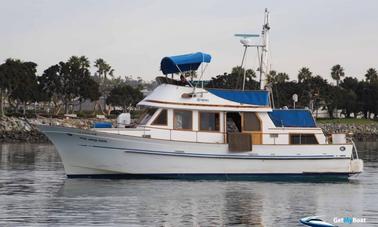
<point x="191" y="132"/>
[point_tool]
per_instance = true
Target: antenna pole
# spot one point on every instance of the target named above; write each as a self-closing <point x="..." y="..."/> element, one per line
<point x="264" y="65"/>
<point x="242" y="63"/>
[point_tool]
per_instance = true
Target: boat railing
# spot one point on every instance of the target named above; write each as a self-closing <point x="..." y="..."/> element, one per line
<point x="196" y="135"/>
<point x="146" y="129"/>
<point x="355" y="152"/>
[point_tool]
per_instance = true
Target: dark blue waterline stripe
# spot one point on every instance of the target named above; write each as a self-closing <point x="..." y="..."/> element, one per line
<point x="156" y="152"/>
<point x="318" y="177"/>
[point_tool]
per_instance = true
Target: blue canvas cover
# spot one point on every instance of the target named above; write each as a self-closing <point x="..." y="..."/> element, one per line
<point x="292" y="118"/>
<point x="182" y="63"/>
<point x="102" y="125"/>
<point x="260" y="98"/>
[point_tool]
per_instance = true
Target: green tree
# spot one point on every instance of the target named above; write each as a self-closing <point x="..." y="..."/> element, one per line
<point x="7" y="80"/>
<point x="332" y="97"/>
<point x="103" y="68"/>
<point x="26" y="87"/>
<point x="18" y="83"/>
<point x="350" y="103"/>
<point x="282" y="77"/>
<point x="271" y="77"/>
<point x="69" y="81"/>
<point x="234" y="79"/>
<point x="274" y="77"/>
<point x="368" y="98"/>
<point x="52" y="83"/>
<point x="89" y="90"/>
<point x="337" y="72"/>
<point x="124" y="96"/>
<point x="371" y="75"/>
<point x="313" y="92"/>
<point x="283" y="93"/>
<point x="349" y="83"/>
<point x="304" y="74"/>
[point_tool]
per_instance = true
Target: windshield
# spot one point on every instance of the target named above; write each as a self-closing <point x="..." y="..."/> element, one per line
<point x="146" y="116"/>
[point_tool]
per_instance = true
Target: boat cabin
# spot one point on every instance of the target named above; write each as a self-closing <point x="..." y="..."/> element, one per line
<point x="224" y="116"/>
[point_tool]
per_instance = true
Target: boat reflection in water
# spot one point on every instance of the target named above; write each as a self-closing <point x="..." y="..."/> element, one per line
<point x="179" y="203"/>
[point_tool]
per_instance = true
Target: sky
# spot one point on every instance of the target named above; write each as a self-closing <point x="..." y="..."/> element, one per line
<point x="134" y="35"/>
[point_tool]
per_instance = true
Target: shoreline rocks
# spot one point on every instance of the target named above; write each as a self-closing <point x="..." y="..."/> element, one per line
<point x="359" y="132"/>
<point x="19" y="130"/>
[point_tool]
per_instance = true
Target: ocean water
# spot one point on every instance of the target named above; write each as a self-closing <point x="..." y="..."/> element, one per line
<point x="34" y="191"/>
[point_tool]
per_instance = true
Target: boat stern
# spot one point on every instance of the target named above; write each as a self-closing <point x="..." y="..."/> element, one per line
<point x="356" y="166"/>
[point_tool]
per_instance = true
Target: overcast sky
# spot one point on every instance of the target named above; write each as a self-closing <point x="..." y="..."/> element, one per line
<point x="133" y="36"/>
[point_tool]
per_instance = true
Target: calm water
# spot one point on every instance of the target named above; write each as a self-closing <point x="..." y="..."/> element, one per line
<point x="35" y="191"/>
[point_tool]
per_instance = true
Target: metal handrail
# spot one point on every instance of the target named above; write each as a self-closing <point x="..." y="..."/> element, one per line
<point x="354" y="148"/>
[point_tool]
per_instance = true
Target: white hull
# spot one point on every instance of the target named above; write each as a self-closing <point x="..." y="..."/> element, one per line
<point x="86" y="152"/>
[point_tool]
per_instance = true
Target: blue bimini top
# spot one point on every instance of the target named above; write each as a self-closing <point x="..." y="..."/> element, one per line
<point x="292" y="118"/>
<point x="183" y="63"/>
<point x="259" y="98"/>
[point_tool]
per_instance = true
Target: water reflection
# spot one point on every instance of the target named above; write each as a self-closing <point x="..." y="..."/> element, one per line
<point x="34" y="190"/>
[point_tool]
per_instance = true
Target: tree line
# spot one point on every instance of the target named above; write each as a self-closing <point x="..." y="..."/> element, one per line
<point x="69" y="83"/>
<point x="352" y="96"/>
<point x="64" y="85"/>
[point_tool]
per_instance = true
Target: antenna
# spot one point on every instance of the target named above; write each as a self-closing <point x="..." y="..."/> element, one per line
<point x="246" y="42"/>
<point x="247" y="35"/>
<point x="262" y="50"/>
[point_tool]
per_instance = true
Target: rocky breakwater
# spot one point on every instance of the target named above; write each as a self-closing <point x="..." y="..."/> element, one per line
<point x="359" y="132"/>
<point x="364" y="135"/>
<point x="15" y="130"/>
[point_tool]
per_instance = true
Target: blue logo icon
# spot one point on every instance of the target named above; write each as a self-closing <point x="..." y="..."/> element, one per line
<point x="348" y="220"/>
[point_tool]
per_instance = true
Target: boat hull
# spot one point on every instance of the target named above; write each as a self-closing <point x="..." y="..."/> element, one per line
<point x="87" y="153"/>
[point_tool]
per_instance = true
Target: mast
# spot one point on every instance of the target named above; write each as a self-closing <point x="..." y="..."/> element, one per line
<point x="262" y="51"/>
<point x="264" y="64"/>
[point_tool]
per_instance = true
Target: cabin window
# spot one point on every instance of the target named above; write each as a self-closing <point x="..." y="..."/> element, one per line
<point x="251" y="122"/>
<point x="208" y="121"/>
<point x="161" y="119"/>
<point x="182" y="119"/>
<point x="303" y="139"/>
<point x="146" y="116"/>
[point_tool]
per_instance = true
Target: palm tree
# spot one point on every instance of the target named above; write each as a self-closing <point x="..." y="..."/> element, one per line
<point x="271" y="77"/>
<point x="282" y="77"/>
<point x="276" y="78"/>
<point x="371" y="75"/>
<point x="103" y="70"/>
<point x="304" y="74"/>
<point x="337" y="72"/>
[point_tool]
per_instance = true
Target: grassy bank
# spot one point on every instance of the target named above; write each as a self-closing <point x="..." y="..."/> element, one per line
<point x="355" y="121"/>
